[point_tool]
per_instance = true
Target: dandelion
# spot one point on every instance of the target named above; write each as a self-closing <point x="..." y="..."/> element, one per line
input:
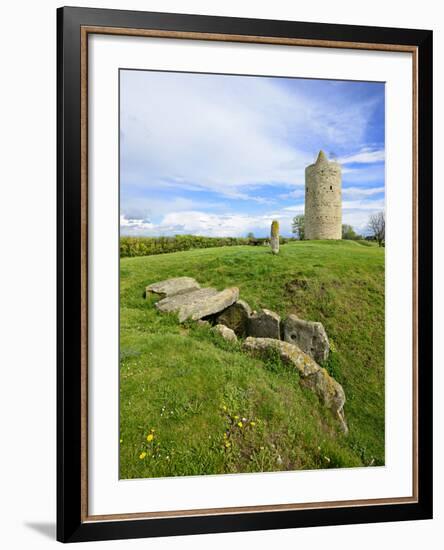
<point x="240" y="424"/>
<point x="225" y="435"/>
<point x="142" y="455"/>
<point x="149" y="437"/>
<point x="236" y="417"/>
<point x="227" y="444"/>
<point x="224" y="407"/>
<point x="252" y="423"/>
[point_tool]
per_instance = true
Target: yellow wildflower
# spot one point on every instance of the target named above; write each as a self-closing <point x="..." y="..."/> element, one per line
<point x="224" y="407"/>
<point x="149" y="437"/>
<point x="252" y="423"/>
<point x="142" y="455"/>
<point x="225" y="435"/>
<point x="240" y="424"/>
<point x="236" y="417"/>
<point x="152" y="430"/>
<point x="227" y="444"/>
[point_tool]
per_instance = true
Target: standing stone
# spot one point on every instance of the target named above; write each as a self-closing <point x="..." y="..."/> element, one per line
<point x="308" y="335"/>
<point x="264" y="324"/>
<point x="274" y="237"/>
<point x="225" y="332"/>
<point x="171" y="287"/>
<point x="236" y="317"/>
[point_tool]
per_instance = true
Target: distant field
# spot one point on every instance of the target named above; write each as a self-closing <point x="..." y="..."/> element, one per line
<point x="191" y="387"/>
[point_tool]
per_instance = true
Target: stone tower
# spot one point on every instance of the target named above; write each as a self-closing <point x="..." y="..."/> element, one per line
<point x="323" y="201"/>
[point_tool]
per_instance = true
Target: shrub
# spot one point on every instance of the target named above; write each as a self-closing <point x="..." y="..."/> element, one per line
<point x="148" y="246"/>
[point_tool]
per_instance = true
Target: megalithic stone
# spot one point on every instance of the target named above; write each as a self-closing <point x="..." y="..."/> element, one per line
<point x="274" y="240"/>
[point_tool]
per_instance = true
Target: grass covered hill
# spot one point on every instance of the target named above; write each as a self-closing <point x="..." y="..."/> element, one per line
<point x="192" y="403"/>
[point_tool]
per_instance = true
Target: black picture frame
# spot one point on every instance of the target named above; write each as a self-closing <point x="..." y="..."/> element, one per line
<point x="71" y="523"/>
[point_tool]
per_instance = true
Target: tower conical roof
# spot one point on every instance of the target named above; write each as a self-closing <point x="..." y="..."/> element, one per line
<point x="321" y="157"/>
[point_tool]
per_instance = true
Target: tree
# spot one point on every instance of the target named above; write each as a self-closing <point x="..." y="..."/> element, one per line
<point x="348" y="232"/>
<point x="298" y="226"/>
<point x="250" y="236"/>
<point x="376" y="226"/>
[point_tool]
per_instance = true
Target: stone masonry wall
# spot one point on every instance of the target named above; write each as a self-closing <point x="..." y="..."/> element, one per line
<point x="323" y="200"/>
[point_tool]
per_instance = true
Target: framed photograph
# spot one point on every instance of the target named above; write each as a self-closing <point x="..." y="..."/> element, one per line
<point x="244" y="274"/>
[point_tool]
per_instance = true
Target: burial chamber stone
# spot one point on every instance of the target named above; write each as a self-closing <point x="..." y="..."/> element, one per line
<point x="171" y="287"/>
<point x="312" y="376"/>
<point x="264" y="324"/>
<point x="308" y="335"/>
<point x="236" y="318"/>
<point x="225" y="332"/>
<point x="198" y="303"/>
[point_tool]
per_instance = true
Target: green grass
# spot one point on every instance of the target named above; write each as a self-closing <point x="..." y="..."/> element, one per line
<point x="193" y="388"/>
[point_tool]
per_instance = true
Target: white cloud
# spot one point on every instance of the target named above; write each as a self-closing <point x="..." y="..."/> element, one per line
<point x="360" y="192"/>
<point x="135" y="226"/>
<point x="363" y="205"/>
<point x="296" y="194"/>
<point x="202" y="223"/>
<point x="371" y="173"/>
<point x="365" y="156"/>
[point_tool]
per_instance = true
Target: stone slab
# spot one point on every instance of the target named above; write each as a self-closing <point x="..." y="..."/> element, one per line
<point x="171" y="287"/>
<point x="264" y="324"/>
<point x="200" y="303"/>
<point x="308" y="335"/>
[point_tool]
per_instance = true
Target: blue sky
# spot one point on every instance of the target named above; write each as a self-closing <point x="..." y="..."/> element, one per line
<point x="222" y="155"/>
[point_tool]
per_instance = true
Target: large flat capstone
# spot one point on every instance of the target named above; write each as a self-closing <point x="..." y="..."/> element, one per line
<point x="171" y="287"/>
<point x="312" y="376"/>
<point x="200" y="303"/>
<point x="308" y="335"/>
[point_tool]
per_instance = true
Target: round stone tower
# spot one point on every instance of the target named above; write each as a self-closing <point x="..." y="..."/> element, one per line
<point x="323" y="201"/>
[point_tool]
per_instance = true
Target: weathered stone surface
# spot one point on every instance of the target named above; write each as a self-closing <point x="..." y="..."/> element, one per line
<point x="264" y="324"/>
<point x="236" y="317"/>
<point x="171" y="287"/>
<point x="289" y="353"/>
<point x="323" y="201"/>
<point x="308" y="335"/>
<point x="225" y="332"/>
<point x="312" y="376"/>
<point x="199" y="303"/>
<point x="177" y="301"/>
<point x="214" y="304"/>
<point x="329" y="391"/>
<point x="274" y="237"/>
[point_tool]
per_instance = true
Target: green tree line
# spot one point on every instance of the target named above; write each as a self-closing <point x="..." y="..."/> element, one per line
<point x="148" y="246"/>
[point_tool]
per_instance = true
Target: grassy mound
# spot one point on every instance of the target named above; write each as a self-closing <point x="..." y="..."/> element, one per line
<point x="193" y="404"/>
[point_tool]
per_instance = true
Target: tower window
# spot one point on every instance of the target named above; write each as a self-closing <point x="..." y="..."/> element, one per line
<point x="331" y="188"/>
